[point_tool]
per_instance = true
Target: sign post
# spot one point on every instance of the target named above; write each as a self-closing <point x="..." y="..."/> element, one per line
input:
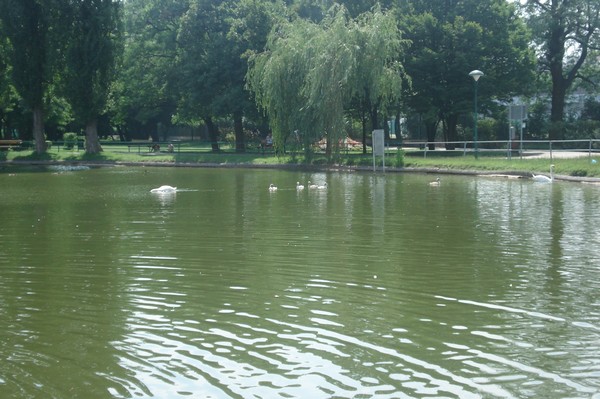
<point x="378" y="147"/>
<point x="516" y="116"/>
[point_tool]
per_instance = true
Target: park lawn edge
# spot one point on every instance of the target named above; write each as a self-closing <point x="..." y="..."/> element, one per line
<point x="585" y="171"/>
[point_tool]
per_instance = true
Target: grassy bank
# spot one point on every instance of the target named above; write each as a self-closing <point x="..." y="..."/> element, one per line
<point x="578" y="167"/>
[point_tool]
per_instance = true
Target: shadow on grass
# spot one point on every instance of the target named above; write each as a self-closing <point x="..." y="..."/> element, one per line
<point x="76" y="157"/>
<point x="223" y="157"/>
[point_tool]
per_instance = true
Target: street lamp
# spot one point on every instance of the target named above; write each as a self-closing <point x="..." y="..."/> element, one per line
<point x="476" y="74"/>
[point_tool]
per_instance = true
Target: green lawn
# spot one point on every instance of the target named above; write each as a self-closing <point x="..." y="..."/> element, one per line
<point x="201" y="154"/>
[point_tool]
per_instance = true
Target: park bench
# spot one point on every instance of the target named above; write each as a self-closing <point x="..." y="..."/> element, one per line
<point x="6" y="145"/>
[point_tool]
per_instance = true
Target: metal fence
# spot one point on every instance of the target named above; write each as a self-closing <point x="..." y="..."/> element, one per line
<point x="511" y="148"/>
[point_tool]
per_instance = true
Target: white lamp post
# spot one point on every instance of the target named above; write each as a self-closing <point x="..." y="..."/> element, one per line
<point x="476" y="74"/>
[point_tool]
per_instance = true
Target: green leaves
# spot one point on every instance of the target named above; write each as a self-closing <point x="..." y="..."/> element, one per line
<point x="448" y="41"/>
<point x="310" y="73"/>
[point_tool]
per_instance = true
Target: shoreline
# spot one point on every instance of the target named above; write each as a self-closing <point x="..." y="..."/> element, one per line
<point x="331" y="168"/>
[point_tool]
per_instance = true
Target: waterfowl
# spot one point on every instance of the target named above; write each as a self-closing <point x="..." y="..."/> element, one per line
<point x="299" y="186"/>
<point x="272" y="187"/>
<point x="164" y="189"/>
<point x="435" y="183"/>
<point x="312" y="186"/>
<point x="322" y="187"/>
<point x="544" y="178"/>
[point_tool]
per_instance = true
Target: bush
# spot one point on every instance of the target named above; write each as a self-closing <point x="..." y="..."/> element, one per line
<point x="70" y="140"/>
<point x="579" y="173"/>
<point x="399" y="158"/>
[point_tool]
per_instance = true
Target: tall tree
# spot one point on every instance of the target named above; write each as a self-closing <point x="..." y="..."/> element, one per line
<point x="566" y="31"/>
<point x="207" y="63"/>
<point x="8" y="95"/>
<point x="310" y="72"/>
<point x="28" y="25"/>
<point x="214" y="43"/>
<point x="378" y="76"/>
<point x="144" y="94"/>
<point x="90" y="56"/>
<point x="454" y="37"/>
<point x="277" y="76"/>
<point x="250" y="23"/>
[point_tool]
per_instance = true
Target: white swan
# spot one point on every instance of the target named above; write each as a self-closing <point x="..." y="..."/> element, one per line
<point x="544" y="178"/>
<point x="272" y="187"/>
<point x="435" y="183"/>
<point x="164" y="189"/>
<point x="322" y="187"/>
<point x="312" y="186"/>
<point x="299" y="186"/>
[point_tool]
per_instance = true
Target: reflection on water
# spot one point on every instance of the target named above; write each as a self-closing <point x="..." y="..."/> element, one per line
<point x="380" y="286"/>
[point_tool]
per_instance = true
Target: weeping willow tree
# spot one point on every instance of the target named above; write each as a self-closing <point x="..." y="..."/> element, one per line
<point x="309" y="73"/>
<point x="277" y="78"/>
<point x="379" y="75"/>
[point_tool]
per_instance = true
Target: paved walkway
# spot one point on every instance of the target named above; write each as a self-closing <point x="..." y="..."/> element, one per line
<point x="560" y="154"/>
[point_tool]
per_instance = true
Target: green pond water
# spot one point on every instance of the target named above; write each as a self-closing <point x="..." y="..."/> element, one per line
<point x="380" y="286"/>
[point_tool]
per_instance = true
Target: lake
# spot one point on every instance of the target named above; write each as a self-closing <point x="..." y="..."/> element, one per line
<point x="380" y="286"/>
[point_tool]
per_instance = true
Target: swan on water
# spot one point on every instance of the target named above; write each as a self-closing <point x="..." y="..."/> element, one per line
<point x="312" y="186"/>
<point x="164" y="189"/>
<point x="322" y="187"/>
<point x="299" y="186"/>
<point x="544" y="178"/>
<point x="272" y="187"/>
<point x="435" y="183"/>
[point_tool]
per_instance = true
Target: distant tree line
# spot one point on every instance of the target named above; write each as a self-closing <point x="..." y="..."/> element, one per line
<point x="303" y="70"/>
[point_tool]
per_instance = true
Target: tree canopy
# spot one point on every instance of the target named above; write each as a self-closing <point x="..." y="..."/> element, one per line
<point x="90" y="57"/>
<point x="310" y="72"/>
<point x="310" y="69"/>
<point x="452" y="38"/>
<point x="566" y="32"/>
<point x="28" y="26"/>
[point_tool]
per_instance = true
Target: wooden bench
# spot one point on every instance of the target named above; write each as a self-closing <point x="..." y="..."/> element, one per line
<point x="6" y="145"/>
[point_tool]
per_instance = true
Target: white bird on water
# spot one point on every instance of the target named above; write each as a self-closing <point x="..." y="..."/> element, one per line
<point x="322" y="187"/>
<point x="272" y="187"/>
<point x="164" y="189"/>
<point x="435" y="183"/>
<point x="312" y="186"/>
<point x="299" y="186"/>
<point x="544" y="178"/>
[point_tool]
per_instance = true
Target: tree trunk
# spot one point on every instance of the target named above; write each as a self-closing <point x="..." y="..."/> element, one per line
<point x="363" y="120"/>
<point x="559" y="92"/>
<point x="555" y="57"/>
<point x="92" y="144"/>
<point x="38" y="130"/>
<point x="213" y="134"/>
<point x="431" y="131"/>
<point x="240" y="142"/>
<point x="450" y="123"/>
<point x="328" y="146"/>
<point x="374" y="118"/>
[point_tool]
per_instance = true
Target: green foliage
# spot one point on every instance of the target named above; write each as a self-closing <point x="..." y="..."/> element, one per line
<point x="70" y="140"/>
<point x="31" y="28"/>
<point x="537" y="123"/>
<point x="399" y="158"/>
<point x="450" y="39"/>
<point x="577" y="130"/>
<point x="486" y="129"/>
<point x="91" y="55"/>
<point x="591" y="110"/>
<point x="310" y="72"/>
<point x="314" y="68"/>
<point x="566" y="33"/>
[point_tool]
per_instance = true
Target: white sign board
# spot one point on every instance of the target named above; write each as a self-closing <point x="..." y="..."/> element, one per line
<point x="378" y="146"/>
<point x="517" y="112"/>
